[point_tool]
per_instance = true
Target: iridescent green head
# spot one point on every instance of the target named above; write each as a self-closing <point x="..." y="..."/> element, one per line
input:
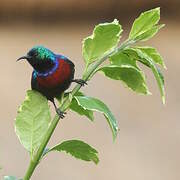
<point x="40" y="58"/>
<point x="41" y="53"/>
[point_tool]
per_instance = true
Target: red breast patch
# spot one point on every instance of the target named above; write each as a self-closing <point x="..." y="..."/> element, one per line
<point x="62" y="73"/>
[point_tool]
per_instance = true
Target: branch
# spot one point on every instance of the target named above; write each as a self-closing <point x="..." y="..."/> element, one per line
<point x="65" y="105"/>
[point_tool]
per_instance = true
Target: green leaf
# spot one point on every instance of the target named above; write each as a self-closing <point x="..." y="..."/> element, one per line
<point x="94" y="104"/>
<point x="78" y="109"/>
<point x="144" y="27"/>
<point x="150" y="62"/>
<point x="149" y="33"/>
<point x="32" y="120"/>
<point x="125" y="69"/>
<point x="74" y="106"/>
<point x="153" y="54"/>
<point x="78" y="149"/>
<point x="132" y="77"/>
<point x="104" y="38"/>
<point x="10" y="178"/>
<point x="134" y="55"/>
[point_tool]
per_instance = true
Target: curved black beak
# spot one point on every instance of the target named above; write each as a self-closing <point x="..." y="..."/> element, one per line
<point x="23" y="57"/>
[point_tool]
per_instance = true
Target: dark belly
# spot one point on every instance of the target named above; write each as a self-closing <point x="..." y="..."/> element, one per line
<point x="52" y="92"/>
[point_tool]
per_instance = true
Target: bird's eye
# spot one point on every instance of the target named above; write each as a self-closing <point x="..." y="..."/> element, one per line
<point x="32" y="53"/>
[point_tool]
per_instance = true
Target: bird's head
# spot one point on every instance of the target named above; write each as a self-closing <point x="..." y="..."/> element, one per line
<point x="40" y="58"/>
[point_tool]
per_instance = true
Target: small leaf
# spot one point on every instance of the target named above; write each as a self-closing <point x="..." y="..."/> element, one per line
<point x="134" y="55"/>
<point x="32" y="120"/>
<point x="149" y="33"/>
<point x="78" y="149"/>
<point x="94" y="104"/>
<point x="150" y="62"/>
<point x="104" y="38"/>
<point x="155" y="56"/>
<point x="10" y="178"/>
<point x="144" y="26"/>
<point x="132" y="77"/>
<point x="78" y="109"/>
<point x="74" y="106"/>
<point x="125" y="69"/>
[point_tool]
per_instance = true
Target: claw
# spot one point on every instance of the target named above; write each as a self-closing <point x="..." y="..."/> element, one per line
<point x="60" y="113"/>
<point x="80" y="81"/>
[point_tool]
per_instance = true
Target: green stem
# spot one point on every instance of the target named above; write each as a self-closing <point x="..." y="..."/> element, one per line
<point x="35" y="160"/>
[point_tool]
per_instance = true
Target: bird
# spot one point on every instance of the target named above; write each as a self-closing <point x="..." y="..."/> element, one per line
<point x="52" y="73"/>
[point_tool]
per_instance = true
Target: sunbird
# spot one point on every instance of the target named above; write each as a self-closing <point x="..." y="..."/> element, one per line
<point x="52" y="73"/>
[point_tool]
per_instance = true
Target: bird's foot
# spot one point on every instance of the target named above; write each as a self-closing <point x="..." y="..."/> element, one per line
<point x="80" y="81"/>
<point x="60" y="113"/>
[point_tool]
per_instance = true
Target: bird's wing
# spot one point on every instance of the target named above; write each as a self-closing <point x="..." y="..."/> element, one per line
<point x="59" y="56"/>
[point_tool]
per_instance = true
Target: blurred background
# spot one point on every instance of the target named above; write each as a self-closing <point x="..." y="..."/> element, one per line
<point x="148" y="144"/>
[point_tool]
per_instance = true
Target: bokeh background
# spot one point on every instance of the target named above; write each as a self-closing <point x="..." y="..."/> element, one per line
<point x="148" y="144"/>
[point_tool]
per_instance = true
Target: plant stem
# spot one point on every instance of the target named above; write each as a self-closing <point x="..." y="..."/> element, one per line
<point x="35" y="160"/>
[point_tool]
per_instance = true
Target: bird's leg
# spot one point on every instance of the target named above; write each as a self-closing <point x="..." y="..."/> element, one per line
<point x="80" y="81"/>
<point x="58" y="111"/>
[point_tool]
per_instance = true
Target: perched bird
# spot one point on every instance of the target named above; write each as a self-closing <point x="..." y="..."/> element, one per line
<point x="52" y="73"/>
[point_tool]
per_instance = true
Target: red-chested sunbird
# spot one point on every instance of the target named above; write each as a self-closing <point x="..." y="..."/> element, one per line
<point x="52" y="73"/>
